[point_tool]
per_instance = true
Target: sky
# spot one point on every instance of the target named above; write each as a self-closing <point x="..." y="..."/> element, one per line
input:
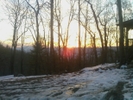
<point x="6" y="30"/>
<point x="5" y="27"/>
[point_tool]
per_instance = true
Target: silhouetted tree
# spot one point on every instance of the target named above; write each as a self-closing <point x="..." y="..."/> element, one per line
<point x="36" y="10"/>
<point x="16" y="13"/>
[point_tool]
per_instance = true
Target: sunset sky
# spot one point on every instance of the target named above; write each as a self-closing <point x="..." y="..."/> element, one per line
<point x="6" y="30"/>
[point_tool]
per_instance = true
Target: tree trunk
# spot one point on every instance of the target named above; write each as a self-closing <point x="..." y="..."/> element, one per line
<point x="22" y="59"/>
<point x="95" y="50"/>
<point x="59" y="48"/>
<point x="13" y="59"/>
<point x="14" y="44"/>
<point x="105" y="40"/>
<point x="52" y="38"/>
<point x="79" y="41"/>
<point x="84" y="51"/>
<point x="97" y="25"/>
<point x="121" y="33"/>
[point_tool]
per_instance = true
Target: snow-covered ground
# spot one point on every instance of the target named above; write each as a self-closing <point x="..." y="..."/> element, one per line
<point x="88" y="84"/>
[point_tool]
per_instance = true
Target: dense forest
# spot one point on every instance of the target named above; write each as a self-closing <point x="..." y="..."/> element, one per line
<point x="100" y="35"/>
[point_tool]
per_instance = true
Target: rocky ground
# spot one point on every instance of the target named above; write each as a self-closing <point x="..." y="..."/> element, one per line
<point x="103" y="82"/>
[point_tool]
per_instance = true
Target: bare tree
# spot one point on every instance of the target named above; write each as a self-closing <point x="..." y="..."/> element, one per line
<point x="104" y="19"/>
<point x="52" y="35"/>
<point x="16" y="13"/>
<point x="24" y="30"/>
<point x="127" y="9"/>
<point x="97" y="26"/>
<point x="93" y="40"/>
<point x="58" y="19"/>
<point x="79" y="34"/>
<point x="36" y="10"/>
<point x="70" y="18"/>
<point x="85" y="34"/>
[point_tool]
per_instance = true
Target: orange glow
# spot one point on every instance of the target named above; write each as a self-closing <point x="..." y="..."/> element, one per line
<point x="67" y="52"/>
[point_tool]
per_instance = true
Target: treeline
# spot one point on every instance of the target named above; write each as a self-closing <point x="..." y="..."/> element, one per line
<point x="5" y="61"/>
<point x="68" y="61"/>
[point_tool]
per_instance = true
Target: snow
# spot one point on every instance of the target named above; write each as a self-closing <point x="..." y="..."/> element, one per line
<point x="91" y="83"/>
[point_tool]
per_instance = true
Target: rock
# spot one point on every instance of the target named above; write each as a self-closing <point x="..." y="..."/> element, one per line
<point x="123" y="67"/>
<point x="20" y="75"/>
<point x="115" y="93"/>
<point x="100" y="70"/>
